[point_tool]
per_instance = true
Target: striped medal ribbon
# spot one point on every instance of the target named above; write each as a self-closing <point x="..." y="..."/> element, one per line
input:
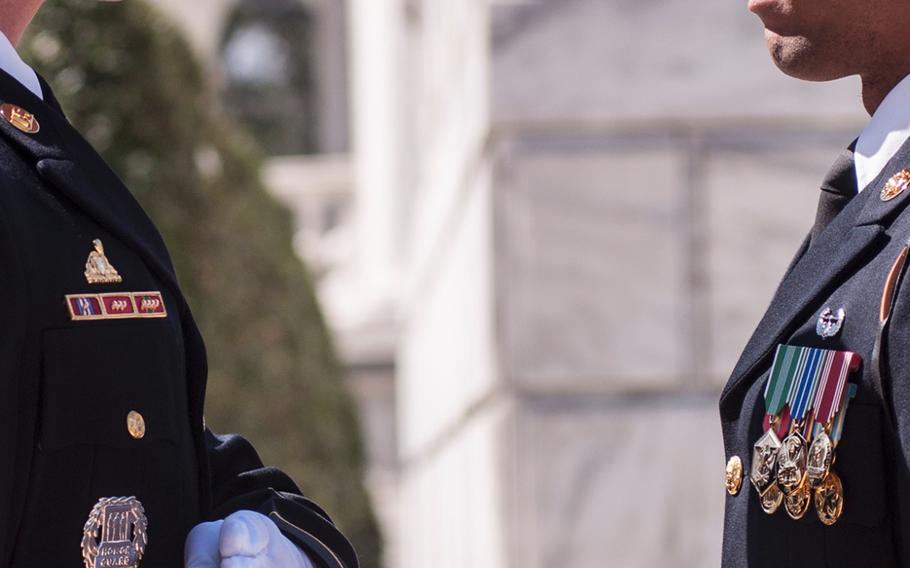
<point x="792" y="455"/>
<point x="778" y="390"/>
<point x="829" y="400"/>
<point x="829" y="492"/>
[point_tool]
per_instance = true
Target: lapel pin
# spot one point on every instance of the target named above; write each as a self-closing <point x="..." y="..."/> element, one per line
<point x="896" y="185"/>
<point x="98" y="269"/>
<point x="20" y="118"/>
<point x="830" y="322"/>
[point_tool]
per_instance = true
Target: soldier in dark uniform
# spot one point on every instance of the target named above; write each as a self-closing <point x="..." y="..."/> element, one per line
<point x="106" y="460"/>
<point x="816" y="415"/>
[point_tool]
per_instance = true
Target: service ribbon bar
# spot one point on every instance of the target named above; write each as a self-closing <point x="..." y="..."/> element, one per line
<point x="119" y="305"/>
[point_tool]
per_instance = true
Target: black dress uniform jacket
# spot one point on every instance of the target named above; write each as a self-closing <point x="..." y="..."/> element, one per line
<point x="844" y="263"/>
<point x="66" y="386"/>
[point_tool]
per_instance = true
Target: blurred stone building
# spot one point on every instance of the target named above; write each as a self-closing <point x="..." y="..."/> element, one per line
<point x="544" y="230"/>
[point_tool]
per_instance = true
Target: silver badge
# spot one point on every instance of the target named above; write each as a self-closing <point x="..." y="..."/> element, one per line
<point x="830" y="322"/>
<point x="764" y="461"/>
<point x="821" y="455"/>
<point x="115" y="534"/>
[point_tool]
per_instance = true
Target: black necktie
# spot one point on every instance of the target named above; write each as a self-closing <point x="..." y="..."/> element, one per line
<point x="838" y="188"/>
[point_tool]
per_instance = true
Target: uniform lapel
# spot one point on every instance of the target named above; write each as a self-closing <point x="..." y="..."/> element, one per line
<point x="69" y="165"/>
<point x="838" y="249"/>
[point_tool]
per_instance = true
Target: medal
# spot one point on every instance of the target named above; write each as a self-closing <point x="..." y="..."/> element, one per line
<point x="829" y="499"/>
<point x="829" y="494"/>
<point x="771" y="499"/>
<point x="765" y="451"/>
<point x="828" y="400"/>
<point x="792" y="455"/>
<point x="821" y="456"/>
<point x="797" y="502"/>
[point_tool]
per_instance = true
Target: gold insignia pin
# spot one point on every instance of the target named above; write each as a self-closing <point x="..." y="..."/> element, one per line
<point x="896" y="185"/>
<point x="115" y="534"/>
<point x="98" y="269"/>
<point x="20" y="118"/>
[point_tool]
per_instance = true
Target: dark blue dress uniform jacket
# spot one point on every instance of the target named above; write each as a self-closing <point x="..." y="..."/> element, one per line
<point x="66" y="386"/>
<point x="844" y="262"/>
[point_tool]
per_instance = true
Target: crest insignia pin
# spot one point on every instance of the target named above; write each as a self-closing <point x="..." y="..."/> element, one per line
<point x="830" y="322"/>
<point x="896" y="185"/>
<point x="20" y="118"/>
<point x="98" y="269"/>
<point x="115" y="534"/>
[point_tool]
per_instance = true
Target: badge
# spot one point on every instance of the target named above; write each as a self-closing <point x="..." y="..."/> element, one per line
<point x="764" y="461"/>
<point x="896" y="185"/>
<point x="821" y="456"/>
<point x="791" y="463"/>
<point x="20" y="118"/>
<point x="829" y="499"/>
<point x="830" y="322"/>
<point x="98" y="269"/>
<point x="115" y="533"/>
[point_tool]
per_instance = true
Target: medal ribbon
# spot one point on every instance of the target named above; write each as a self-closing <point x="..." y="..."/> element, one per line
<point x="815" y="362"/>
<point x="783" y="371"/>
<point x="830" y="394"/>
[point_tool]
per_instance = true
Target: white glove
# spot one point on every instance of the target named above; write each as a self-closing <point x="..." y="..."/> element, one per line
<point x="245" y="539"/>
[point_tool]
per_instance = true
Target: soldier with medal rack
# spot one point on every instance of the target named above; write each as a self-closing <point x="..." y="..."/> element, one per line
<point x="828" y="367"/>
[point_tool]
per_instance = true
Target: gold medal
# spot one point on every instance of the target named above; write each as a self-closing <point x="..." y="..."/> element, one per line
<point x="771" y="499"/>
<point x="829" y="499"/>
<point x="797" y="502"/>
<point x="791" y="463"/>
<point x="821" y="455"/>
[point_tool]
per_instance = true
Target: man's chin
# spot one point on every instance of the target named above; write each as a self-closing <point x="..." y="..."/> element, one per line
<point x="798" y="57"/>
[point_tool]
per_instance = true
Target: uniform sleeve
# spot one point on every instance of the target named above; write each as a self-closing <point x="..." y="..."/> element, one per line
<point x="241" y="481"/>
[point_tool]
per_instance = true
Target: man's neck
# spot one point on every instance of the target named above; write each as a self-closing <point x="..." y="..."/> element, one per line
<point x="15" y="17"/>
<point x="876" y="87"/>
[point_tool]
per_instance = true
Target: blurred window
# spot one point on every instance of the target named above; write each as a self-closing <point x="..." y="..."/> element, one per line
<point x="268" y="68"/>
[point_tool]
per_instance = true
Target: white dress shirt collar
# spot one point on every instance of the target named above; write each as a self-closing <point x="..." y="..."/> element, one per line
<point x="888" y="130"/>
<point x="18" y="69"/>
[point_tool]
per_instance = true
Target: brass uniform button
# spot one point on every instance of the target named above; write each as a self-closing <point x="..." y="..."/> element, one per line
<point x="20" y="118"/>
<point x="135" y="424"/>
<point x="733" y="475"/>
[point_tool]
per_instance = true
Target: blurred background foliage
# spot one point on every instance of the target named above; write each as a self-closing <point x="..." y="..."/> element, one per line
<point x="129" y="82"/>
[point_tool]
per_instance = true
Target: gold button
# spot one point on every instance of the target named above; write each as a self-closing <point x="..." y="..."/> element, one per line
<point x="733" y="476"/>
<point x="20" y="118"/>
<point x="135" y="424"/>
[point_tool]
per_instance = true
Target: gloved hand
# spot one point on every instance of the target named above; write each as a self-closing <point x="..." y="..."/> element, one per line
<point x="245" y="539"/>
